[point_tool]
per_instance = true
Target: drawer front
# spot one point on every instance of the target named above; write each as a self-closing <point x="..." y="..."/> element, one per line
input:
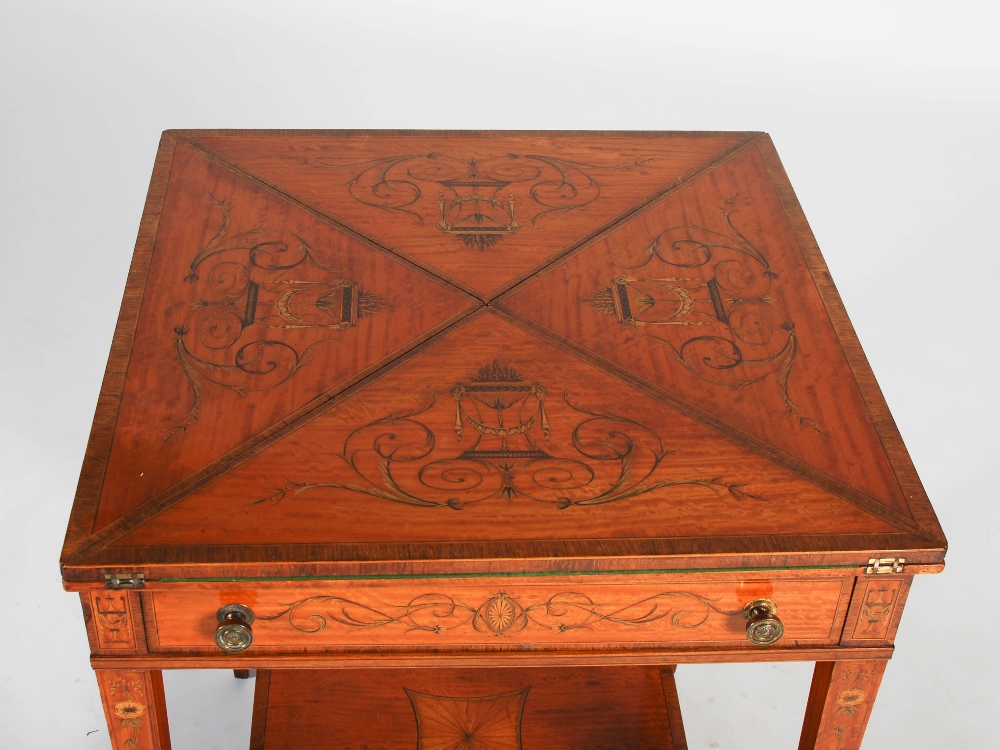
<point x="576" y="612"/>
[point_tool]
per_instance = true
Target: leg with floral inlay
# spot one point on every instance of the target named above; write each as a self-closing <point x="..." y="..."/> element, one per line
<point x="840" y="702"/>
<point x="135" y="708"/>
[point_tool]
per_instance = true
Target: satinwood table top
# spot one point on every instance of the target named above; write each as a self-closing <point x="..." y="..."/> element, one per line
<point x="350" y="352"/>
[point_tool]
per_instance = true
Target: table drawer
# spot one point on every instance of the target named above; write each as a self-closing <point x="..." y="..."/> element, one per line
<point x="504" y="613"/>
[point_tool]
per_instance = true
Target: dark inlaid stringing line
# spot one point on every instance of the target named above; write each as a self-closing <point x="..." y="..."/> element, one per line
<point x="328" y="218"/>
<point x="417" y="133"/>
<point x="261" y="695"/>
<point x="338" y="223"/>
<point x="288" y="197"/>
<point x="616" y="222"/>
<point x="691" y="175"/>
<point x="768" y="456"/>
<point x="847" y="338"/>
<point x="91" y="482"/>
<point x="562" y="557"/>
<point x="723" y="158"/>
<point x="810" y="254"/>
<point x="257" y="443"/>
<point x="161" y="198"/>
<point x="813" y="475"/>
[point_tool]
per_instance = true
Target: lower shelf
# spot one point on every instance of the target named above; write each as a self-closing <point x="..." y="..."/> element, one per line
<point x="571" y="708"/>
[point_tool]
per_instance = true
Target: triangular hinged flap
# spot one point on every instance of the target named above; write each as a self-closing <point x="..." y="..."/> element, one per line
<point x="254" y="309"/>
<point x="707" y="295"/>
<point x="479" y="209"/>
<point x="492" y="434"/>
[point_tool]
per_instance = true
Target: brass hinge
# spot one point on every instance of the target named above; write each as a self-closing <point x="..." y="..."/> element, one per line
<point x="876" y="566"/>
<point x="118" y="581"/>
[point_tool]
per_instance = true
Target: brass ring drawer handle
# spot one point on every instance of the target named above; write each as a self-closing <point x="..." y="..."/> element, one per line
<point x="234" y="633"/>
<point x="763" y="625"/>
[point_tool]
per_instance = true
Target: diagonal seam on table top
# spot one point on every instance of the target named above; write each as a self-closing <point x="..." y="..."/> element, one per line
<point x="198" y="480"/>
<point x="850" y="345"/>
<point x="846" y="338"/>
<point x="834" y="486"/>
<point x="176" y="492"/>
<point x="255" y="443"/>
<point x="746" y="139"/>
<point x="328" y="218"/>
<point x="249" y="448"/>
<point x="82" y="523"/>
<point x="88" y="491"/>
<point x="470" y="304"/>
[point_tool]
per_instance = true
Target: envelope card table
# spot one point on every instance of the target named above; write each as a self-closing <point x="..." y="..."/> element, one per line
<point x="496" y="426"/>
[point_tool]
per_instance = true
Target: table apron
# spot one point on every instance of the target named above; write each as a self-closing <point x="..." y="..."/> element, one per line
<point x="493" y="659"/>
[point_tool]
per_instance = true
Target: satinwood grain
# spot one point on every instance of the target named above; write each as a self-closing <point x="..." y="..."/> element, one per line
<point x="135" y="708"/>
<point x="114" y="621"/>
<point x="840" y="702"/>
<point x="876" y="608"/>
<point x="102" y="432"/>
<point x="619" y="708"/>
<point x="706" y="294"/>
<point x="909" y="482"/>
<point x="389" y="659"/>
<point x="257" y="309"/>
<point x="673" y="707"/>
<point x="554" y="613"/>
<point x="388" y="465"/>
<point x="303" y="381"/>
<point x="492" y="400"/>
<point x="478" y="210"/>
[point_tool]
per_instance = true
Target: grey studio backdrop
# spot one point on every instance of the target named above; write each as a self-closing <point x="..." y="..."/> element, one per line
<point x="886" y="117"/>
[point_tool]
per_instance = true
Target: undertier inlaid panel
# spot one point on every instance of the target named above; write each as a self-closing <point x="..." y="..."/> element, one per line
<point x="618" y="708"/>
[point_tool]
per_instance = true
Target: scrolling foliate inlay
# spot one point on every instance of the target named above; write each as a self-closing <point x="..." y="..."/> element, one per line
<point x="475" y="197"/>
<point x="502" y="428"/>
<point x="500" y="614"/>
<point x="111" y="612"/>
<point x="128" y="709"/>
<point x="714" y="312"/>
<point x="876" y="610"/>
<point x="851" y="701"/>
<point x="265" y="301"/>
<point x="878" y="604"/>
